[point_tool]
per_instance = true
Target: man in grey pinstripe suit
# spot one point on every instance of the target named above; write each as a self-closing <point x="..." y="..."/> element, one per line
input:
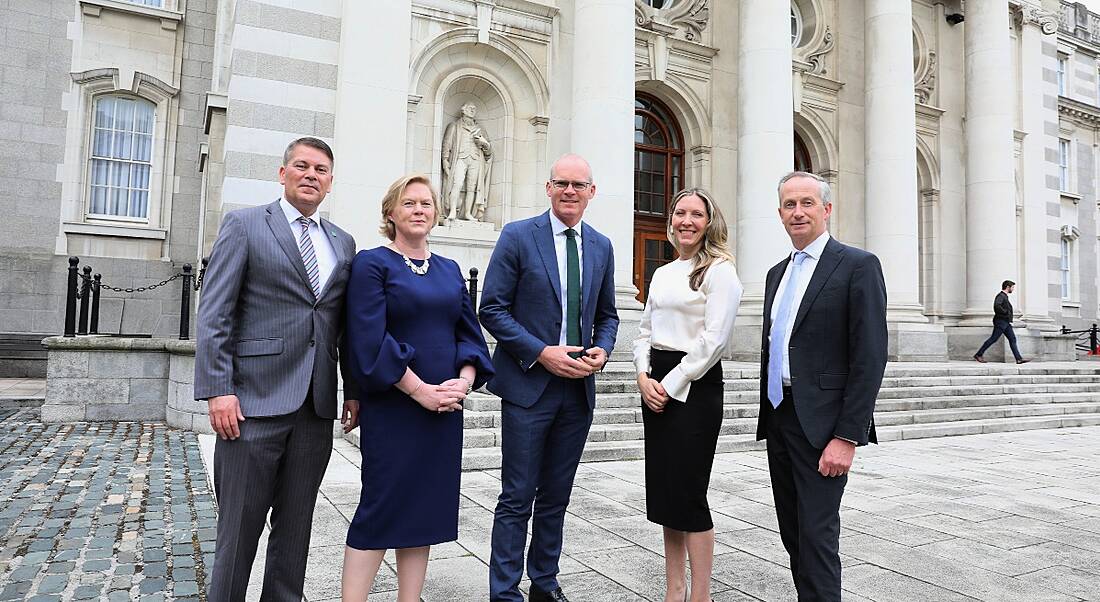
<point x="269" y="330"/>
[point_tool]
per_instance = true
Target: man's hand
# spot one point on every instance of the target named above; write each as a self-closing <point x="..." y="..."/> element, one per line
<point x="836" y="459"/>
<point x="555" y="358"/>
<point x="350" y="416"/>
<point x="225" y="413"/>
<point x="595" y="357"/>
<point x="653" y="393"/>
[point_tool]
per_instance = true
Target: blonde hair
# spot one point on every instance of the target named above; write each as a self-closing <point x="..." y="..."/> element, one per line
<point x="714" y="246"/>
<point x="393" y="197"/>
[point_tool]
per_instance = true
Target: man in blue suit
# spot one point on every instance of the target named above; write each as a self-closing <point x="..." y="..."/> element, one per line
<point x="549" y="300"/>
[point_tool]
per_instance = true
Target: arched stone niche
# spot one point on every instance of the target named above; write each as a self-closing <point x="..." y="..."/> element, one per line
<point x="511" y="98"/>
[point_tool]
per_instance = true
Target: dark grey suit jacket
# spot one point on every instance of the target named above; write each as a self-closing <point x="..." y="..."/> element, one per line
<point x="261" y="334"/>
<point x="838" y="346"/>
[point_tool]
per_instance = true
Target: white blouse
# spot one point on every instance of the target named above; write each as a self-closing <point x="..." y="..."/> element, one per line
<point x="699" y="323"/>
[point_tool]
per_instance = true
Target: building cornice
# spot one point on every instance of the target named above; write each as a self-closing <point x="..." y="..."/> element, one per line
<point x="1079" y="112"/>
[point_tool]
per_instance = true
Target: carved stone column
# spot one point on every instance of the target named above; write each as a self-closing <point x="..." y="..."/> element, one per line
<point x="891" y="157"/>
<point x="765" y="142"/>
<point x="1033" y="279"/>
<point x="602" y="128"/>
<point x="990" y="186"/>
<point x="372" y="104"/>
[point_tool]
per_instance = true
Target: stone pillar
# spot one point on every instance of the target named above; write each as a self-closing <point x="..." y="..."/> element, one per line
<point x="765" y="143"/>
<point x="990" y="186"/>
<point x="602" y="128"/>
<point x="890" y="214"/>
<point x="891" y="157"/>
<point x="372" y="99"/>
<point x="1032" y="281"/>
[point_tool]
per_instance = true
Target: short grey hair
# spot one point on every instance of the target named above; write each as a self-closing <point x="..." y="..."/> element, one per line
<point x="826" y="191"/>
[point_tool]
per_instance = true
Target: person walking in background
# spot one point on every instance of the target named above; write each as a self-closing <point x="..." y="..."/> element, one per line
<point x="822" y="357"/>
<point x="416" y="351"/>
<point x="269" y="325"/>
<point x="684" y="331"/>
<point x="549" y="301"/>
<point x="1002" y="324"/>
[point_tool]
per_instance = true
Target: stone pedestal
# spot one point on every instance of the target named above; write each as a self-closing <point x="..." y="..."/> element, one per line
<point x="102" y="378"/>
<point x="914" y="342"/>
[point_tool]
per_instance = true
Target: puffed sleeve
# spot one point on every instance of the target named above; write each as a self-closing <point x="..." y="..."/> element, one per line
<point x="723" y="296"/>
<point x="377" y="360"/>
<point x="641" y="344"/>
<point x="471" y="342"/>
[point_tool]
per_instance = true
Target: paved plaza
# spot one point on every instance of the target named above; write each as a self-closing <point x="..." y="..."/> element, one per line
<point x="123" y="511"/>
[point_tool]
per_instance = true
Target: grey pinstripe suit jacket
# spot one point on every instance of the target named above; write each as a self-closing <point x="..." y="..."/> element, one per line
<point x="261" y="334"/>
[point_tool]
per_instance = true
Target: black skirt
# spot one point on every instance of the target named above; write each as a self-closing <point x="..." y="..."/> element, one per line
<point x="679" y="448"/>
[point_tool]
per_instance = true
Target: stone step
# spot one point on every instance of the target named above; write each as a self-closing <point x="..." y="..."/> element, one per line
<point x="940" y="403"/>
<point x="984" y="413"/>
<point x="600" y="451"/>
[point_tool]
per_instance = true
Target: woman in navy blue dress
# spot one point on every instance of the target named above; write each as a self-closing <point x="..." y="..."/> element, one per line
<point x="416" y="351"/>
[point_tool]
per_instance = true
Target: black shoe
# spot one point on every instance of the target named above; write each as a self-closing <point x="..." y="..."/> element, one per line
<point x="1022" y="361"/>
<point x="537" y="595"/>
<point x="979" y="359"/>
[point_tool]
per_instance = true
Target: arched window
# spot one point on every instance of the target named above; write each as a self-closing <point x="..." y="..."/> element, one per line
<point x="796" y="25"/>
<point x="659" y="4"/>
<point x="120" y="164"/>
<point x="658" y="174"/>
<point x="801" y="155"/>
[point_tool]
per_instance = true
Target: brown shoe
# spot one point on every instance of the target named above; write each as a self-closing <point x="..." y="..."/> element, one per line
<point x="979" y="359"/>
<point x="1022" y="361"/>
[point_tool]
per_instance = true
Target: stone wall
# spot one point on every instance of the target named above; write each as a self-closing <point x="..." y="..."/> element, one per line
<point x="102" y="378"/>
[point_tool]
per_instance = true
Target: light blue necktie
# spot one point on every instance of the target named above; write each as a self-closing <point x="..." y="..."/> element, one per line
<point x="779" y="331"/>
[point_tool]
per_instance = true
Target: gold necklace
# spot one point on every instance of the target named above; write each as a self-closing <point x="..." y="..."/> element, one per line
<point x="418" y="270"/>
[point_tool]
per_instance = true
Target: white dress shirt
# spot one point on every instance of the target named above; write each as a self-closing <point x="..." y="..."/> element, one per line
<point x="699" y="323"/>
<point x="322" y="246"/>
<point x="813" y="253"/>
<point x="559" y="229"/>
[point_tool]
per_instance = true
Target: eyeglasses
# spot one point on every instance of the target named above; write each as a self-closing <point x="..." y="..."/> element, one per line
<point x="563" y="184"/>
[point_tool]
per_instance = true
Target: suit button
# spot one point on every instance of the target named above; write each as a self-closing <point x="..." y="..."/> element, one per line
<point x="312" y="343"/>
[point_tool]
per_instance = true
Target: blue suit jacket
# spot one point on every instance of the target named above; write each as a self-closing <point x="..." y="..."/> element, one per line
<point x="521" y="305"/>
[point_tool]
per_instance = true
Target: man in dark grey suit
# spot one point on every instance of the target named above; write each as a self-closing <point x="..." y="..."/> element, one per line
<point x="822" y="357"/>
<point x="269" y="327"/>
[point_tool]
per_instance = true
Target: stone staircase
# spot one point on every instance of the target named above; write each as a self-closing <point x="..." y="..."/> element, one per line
<point x="917" y="400"/>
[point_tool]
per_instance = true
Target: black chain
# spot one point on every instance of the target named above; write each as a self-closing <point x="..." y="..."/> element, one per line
<point x="140" y="289"/>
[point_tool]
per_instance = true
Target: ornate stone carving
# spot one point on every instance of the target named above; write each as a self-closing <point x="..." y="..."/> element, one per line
<point x="467" y="164"/>
<point x="816" y="57"/>
<point x="687" y="16"/>
<point x="926" y="78"/>
<point x="1029" y="14"/>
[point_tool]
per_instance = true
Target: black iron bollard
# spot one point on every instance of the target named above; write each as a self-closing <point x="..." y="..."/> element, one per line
<point x="185" y="303"/>
<point x="70" y="298"/>
<point x="473" y="288"/>
<point x="1094" y="344"/>
<point x="85" y="299"/>
<point x="96" y="282"/>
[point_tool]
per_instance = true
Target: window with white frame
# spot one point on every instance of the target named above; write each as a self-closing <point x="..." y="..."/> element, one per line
<point x="1063" y="164"/>
<point x="156" y="3"/>
<point x="1063" y="63"/>
<point x="1064" y="268"/>
<point x="796" y="25"/>
<point x="120" y="162"/>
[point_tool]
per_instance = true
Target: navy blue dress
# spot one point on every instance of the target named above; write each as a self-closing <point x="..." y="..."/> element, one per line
<point x="412" y="457"/>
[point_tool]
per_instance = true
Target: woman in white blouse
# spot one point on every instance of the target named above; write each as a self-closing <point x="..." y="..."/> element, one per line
<point x="685" y="329"/>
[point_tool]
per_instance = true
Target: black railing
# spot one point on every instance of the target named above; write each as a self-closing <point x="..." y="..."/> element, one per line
<point x="86" y="288"/>
<point x="1088" y="340"/>
<point x="473" y="287"/>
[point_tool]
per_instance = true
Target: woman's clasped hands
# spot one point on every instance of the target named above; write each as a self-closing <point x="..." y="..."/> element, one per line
<point x="444" y="397"/>
<point x="653" y="393"/>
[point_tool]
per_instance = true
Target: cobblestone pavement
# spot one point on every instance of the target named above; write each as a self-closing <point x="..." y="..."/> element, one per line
<point x="104" y="511"/>
<point x="123" y="512"/>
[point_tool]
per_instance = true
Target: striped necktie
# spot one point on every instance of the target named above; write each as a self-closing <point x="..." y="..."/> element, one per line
<point x="309" y="256"/>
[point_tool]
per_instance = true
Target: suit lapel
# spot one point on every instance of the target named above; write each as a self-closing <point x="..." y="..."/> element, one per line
<point x="276" y="220"/>
<point x="337" y="251"/>
<point x="770" y="288"/>
<point x="830" y="259"/>
<point x="588" y="258"/>
<point x="544" y="240"/>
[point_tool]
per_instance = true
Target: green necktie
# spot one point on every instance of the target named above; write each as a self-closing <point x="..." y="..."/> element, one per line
<point x="572" y="291"/>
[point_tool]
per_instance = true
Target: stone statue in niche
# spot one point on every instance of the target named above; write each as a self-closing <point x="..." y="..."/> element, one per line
<point x="467" y="165"/>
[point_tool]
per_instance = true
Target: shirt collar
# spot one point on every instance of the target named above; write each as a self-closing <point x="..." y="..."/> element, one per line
<point x="816" y="248"/>
<point x="559" y="227"/>
<point x="293" y="214"/>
